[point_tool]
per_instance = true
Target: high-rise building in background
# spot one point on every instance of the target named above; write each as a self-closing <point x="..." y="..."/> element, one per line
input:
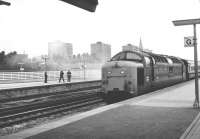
<point x="60" y="51"/>
<point x="101" y="51"/>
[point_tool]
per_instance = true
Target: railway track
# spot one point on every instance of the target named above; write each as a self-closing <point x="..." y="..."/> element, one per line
<point x="61" y="103"/>
<point x="35" y="96"/>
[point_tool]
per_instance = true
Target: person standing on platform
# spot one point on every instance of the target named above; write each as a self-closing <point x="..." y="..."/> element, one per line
<point x="61" y="76"/>
<point x="45" y="77"/>
<point x="69" y="75"/>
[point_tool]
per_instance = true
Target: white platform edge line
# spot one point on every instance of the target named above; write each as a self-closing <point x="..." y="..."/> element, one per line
<point x="188" y="132"/>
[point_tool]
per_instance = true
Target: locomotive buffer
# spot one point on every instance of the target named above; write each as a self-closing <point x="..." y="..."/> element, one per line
<point x="192" y="22"/>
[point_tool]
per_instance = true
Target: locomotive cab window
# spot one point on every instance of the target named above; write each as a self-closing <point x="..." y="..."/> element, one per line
<point x="120" y="56"/>
<point x="133" y="57"/>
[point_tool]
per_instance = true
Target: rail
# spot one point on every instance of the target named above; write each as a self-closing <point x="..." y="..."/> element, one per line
<point x="34" y="91"/>
<point x="20" y="114"/>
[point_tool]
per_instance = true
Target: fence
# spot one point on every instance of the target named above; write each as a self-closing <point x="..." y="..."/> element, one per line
<point x="52" y="75"/>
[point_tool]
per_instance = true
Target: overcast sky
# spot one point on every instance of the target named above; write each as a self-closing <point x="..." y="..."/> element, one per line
<point x="28" y="25"/>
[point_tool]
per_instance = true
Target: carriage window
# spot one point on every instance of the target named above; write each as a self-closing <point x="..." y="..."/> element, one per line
<point x="133" y="56"/>
<point x="169" y="61"/>
<point x="156" y="58"/>
<point x="153" y="60"/>
<point x="164" y="60"/>
<point x="120" y="56"/>
<point x="170" y="69"/>
<point x="147" y="60"/>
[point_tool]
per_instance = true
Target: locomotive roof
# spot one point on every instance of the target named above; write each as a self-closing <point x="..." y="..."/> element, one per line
<point x="158" y="57"/>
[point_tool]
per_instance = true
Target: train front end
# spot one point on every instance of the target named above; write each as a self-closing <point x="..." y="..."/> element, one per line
<point x="119" y="76"/>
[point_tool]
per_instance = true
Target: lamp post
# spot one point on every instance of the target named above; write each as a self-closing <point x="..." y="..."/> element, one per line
<point x="192" y="22"/>
<point x="84" y="69"/>
<point x="45" y="57"/>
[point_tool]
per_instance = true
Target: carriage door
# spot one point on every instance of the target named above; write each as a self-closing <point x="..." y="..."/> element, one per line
<point x="187" y="71"/>
<point x="185" y="67"/>
<point x="148" y="71"/>
<point x="152" y="62"/>
<point x="183" y="71"/>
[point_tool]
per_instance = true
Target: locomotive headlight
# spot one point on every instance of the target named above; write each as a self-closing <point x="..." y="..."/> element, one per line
<point x="122" y="72"/>
<point x="147" y="78"/>
<point x="109" y="72"/>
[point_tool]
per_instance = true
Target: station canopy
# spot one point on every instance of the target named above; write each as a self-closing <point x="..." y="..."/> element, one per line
<point x="89" y="5"/>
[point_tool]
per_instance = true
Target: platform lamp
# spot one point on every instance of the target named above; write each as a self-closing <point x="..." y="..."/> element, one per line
<point x="192" y="22"/>
<point x="89" y="5"/>
<point x="45" y="58"/>
<point x="84" y="66"/>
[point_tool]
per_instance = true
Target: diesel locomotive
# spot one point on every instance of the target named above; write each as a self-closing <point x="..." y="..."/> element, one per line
<point x="133" y="73"/>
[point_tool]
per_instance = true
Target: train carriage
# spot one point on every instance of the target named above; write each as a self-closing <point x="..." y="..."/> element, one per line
<point x="191" y="70"/>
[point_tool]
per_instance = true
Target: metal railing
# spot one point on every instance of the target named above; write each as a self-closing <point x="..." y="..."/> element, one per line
<point x="52" y="75"/>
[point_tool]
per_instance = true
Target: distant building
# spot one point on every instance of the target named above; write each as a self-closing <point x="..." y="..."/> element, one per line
<point x="101" y="51"/>
<point x="60" y="50"/>
<point x="130" y="47"/>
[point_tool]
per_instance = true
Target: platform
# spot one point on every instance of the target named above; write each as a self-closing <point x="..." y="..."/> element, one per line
<point x="163" y="114"/>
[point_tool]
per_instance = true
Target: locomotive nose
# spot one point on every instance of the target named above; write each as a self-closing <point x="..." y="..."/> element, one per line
<point x="119" y="77"/>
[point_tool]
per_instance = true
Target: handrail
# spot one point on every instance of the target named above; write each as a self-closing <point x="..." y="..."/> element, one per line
<point x="52" y="75"/>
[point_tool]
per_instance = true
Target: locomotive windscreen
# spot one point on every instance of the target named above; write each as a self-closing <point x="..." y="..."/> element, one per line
<point x="120" y="56"/>
<point x="128" y="56"/>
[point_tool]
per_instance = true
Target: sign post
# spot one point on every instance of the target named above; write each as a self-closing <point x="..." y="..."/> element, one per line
<point x="192" y="22"/>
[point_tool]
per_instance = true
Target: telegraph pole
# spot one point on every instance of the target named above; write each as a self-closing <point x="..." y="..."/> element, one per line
<point x="193" y="22"/>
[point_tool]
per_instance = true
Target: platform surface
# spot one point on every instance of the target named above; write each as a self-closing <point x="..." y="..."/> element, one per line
<point x="163" y="114"/>
<point x="12" y="85"/>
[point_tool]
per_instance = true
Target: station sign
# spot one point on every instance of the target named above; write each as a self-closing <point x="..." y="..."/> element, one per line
<point x="189" y="41"/>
